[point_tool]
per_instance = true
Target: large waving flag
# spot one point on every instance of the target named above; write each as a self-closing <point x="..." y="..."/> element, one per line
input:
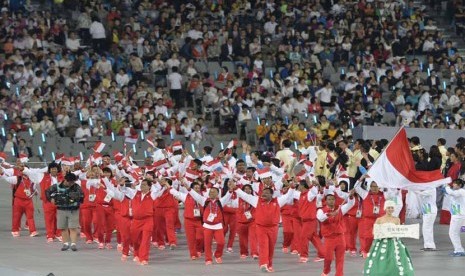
<point x="395" y="168"/>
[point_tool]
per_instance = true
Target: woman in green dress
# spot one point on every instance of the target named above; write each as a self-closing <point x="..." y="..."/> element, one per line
<point x="388" y="256"/>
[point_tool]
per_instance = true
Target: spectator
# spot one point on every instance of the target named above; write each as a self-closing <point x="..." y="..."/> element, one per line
<point x="82" y="133"/>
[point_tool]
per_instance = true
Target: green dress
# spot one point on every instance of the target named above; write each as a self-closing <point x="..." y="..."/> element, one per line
<point x="388" y="257"/>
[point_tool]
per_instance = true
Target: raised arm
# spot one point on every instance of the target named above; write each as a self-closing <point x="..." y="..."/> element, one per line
<point x="251" y="199"/>
<point x="35" y="175"/>
<point x="360" y="191"/>
<point x="286" y="198"/>
<point x="197" y="197"/>
<point x="226" y="198"/>
<point x="348" y="205"/>
<point x="178" y="195"/>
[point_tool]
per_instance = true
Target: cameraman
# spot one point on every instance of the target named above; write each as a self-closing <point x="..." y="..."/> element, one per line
<point x="67" y="196"/>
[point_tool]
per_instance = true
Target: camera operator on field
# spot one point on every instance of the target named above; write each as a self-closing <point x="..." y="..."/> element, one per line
<point x="67" y="196"/>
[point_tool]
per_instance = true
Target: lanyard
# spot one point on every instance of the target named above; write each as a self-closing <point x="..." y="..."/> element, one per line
<point x="377" y="204"/>
<point x="215" y="209"/>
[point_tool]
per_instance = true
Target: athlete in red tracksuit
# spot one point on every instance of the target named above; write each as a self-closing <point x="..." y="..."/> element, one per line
<point x="192" y="220"/>
<point x="142" y="221"/>
<point x="125" y="214"/>
<point x="212" y="221"/>
<point x="292" y="224"/>
<point x="247" y="228"/>
<point x="332" y="230"/>
<point x="372" y="208"/>
<point x="230" y="221"/>
<point x="351" y="220"/>
<point x="45" y="179"/>
<point x="105" y="222"/>
<point x="307" y="211"/>
<point x="165" y="212"/>
<point x="23" y="191"/>
<point x="87" y="207"/>
<point x="267" y="220"/>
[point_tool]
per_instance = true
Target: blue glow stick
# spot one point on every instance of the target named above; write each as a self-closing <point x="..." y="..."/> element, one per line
<point x="444" y="85"/>
<point x="3" y="132"/>
<point x="81" y="155"/>
<point x="429" y="72"/>
<point x="222" y="146"/>
<point x="30" y="132"/>
<point x="145" y="153"/>
<point x="43" y="137"/>
<point x="364" y="90"/>
<point x="5" y="116"/>
<point x="421" y="66"/>
<point x="295" y="144"/>
<point x="80" y="116"/>
<point x="17" y="91"/>
<point x="91" y="123"/>
<point x="258" y="120"/>
<point x="13" y="151"/>
<point x="113" y="136"/>
<point x="306" y="115"/>
<point x="40" y="151"/>
<point x="271" y="73"/>
<point x="109" y="115"/>
<point x="314" y="119"/>
<point x="351" y="124"/>
<point x="171" y="135"/>
<point x="134" y="148"/>
<point x="193" y="147"/>
<point x="142" y="135"/>
<point x="342" y="71"/>
<point x="53" y="155"/>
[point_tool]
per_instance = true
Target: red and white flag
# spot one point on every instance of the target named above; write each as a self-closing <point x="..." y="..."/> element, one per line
<point x="232" y="144"/>
<point x="395" y="168"/>
<point x="99" y="146"/>
<point x="162" y="163"/>
<point x="23" y="158"/>
<point x="132" y="139"/>
<point x="3" y="156"/>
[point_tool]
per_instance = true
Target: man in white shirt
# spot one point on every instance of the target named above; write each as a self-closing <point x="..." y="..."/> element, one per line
<point x="287" y="157"/>
<point x="270" y="26"/>
<point x="73" y="42"/>
<point x="97" y="31"/>
<point x="424" y="102"/>
<point x="407" y="115"/>
<point x="47" y="126"/>
<point x="82" y="133"/>
<point x="175" y="86"/>
<point x="324" y="94"/>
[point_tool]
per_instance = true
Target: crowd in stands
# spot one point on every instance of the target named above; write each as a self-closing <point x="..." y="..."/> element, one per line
<point x="310" y="69"/>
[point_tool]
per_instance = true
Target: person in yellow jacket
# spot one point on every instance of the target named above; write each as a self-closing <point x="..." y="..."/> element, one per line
<point x="355" y="158"/>
<point x="300" y="135"/>
<point x="320" y="162"/>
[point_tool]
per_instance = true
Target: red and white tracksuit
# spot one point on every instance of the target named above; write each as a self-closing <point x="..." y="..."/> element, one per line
<point x="165" y="213"/>
<point x="292" y="226"/>
<point x="88" y="209"/>
<point x="351" y="223"/>
<point x="332" y="230"/>
<point x="307" y="212"/>
<point x="142" y="225"/>
<point x="369" y="204"/>
<point x="105" y="218"/>
<point x="50" y="209"/>
<point x="213" y="228"/>
<point x="230" y="222"/>
<point x="22" y="204"/>
<point x="124" y="224"/>
<point x="247" y="228"/>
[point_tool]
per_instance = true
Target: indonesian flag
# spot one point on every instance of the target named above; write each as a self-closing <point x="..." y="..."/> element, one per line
<point x="191" y="174"/>
<point x="213" y="165"/>
<point x="264" y="173"/>
<point x="395" y="168"/>
<point x="67" y="161"/>
<point x="118" y="156"/>
<point x="132" y="139"/>
<point x="177" y="145"/>
<point x="99" y="146"/>
<point x="232" y="144"/>
<point x="95" y="158"/>
<point x="23" y="158"/>
<point x="59" y="157"/>
<point x="162" y="163"/>
<point x="308" y="165"/>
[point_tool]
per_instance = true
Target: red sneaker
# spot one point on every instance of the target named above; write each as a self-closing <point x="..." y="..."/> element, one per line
<point x="219" y="260"/>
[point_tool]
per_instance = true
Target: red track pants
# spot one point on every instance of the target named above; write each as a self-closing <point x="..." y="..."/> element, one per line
<point x="20" y="207"/>
<point x="365" y="233"/>
<point x="334" y="245"/>
<point x="351" y="226"/>
<point x="50" y="219"/>
<point x="267" y="236"/>
<point x="87" y="215"/>
<point x="125" y="231"/>
<point x="105" y="223"/>
<point x="194" y="236"/>
<point x="248" y="237"/>
<point x="208" y="235"/>
<point x="141" y="233"/>
<point x="309" y="233"/>
<point x="230" y="225"/>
